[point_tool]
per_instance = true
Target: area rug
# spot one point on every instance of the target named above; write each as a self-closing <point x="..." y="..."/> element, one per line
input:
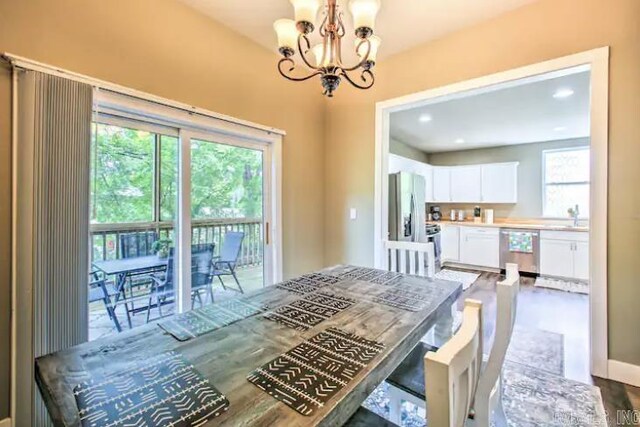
<point x="534" y="391"/>
<point x="463" y="277"/>
<point x="535" y="347"/>
<point x="563" y="285"/>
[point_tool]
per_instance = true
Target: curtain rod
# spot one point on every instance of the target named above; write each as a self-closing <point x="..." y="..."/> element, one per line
<point x="28" y="64"/>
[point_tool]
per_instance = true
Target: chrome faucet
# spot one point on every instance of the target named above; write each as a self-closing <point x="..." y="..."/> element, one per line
<point x="574" y="213"/>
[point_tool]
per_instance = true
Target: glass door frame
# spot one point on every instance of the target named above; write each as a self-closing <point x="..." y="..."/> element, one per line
<point x="271" y="213"/>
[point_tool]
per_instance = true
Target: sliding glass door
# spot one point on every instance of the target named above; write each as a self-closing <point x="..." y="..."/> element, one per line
<point x="230" y="211"/>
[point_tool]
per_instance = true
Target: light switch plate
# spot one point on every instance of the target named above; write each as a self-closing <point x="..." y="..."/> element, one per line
<point x="353" y="213"/>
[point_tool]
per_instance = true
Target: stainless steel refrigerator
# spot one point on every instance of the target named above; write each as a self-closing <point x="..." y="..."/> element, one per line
<point x="407" y="207"/>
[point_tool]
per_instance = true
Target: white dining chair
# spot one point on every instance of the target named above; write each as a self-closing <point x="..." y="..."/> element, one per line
<point x="454" y="371"/>
<point x="488" y="400"/>
<point x="405" y="383"/>
<point x="411" y="257"/>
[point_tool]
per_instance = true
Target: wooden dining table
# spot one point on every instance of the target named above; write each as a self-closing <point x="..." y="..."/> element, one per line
<point x="226" y="356"/>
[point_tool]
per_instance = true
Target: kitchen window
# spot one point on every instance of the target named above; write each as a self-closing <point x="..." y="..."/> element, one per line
<point x="565" y="176"/>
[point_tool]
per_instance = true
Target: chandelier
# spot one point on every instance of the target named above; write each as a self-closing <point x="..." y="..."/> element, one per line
<point x="326" y="62"/>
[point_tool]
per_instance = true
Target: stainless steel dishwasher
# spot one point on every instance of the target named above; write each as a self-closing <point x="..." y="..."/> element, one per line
<point x="520" y="247"/>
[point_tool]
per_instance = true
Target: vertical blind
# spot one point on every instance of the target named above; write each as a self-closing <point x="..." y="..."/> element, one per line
<point x="54" y="116"/>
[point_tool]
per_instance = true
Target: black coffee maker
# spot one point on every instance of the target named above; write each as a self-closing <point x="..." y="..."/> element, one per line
<point x="436" y="215"/>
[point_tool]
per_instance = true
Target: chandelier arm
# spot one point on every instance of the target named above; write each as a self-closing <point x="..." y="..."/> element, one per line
<point x="371" y="79"/>
<point x="322" y="30"/>
<point x="293" y="66"/>
<point x="302" y="52"/>
<point x="341" y="30"/>
<point x="365" y="58"/>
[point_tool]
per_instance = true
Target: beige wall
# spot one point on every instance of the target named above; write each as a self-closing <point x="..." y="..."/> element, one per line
<point x="529" y="174"/>
<point x="404" y="150"/>
<point x="542" y="30"/>
<point x="165" y="48"/>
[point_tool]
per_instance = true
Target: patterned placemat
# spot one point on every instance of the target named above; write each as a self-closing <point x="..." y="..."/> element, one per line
<point x="164" y="390"/>
<point x="371" y="275"/>
<point x="410" y="298"/>
<point x="310" y="374"/>
<point x="307" y="312"/>
<point x="308" y="283"/>
<point x="197" y="322"/>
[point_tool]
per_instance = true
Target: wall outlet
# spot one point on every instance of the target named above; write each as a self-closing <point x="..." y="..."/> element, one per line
<point x="353" y="213"/>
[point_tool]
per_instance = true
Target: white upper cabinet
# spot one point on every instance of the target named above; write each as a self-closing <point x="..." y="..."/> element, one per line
<point x="466" y="184"/>
<point x="441" y="184"/>
<point x="500" y="183"/>
<point x="485" y="183"/>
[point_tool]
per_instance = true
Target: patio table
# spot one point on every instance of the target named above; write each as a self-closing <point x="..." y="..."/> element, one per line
<point x="123" y="268"/>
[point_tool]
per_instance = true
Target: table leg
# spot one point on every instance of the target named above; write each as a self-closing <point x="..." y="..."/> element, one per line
<point x="443" y="329"/>
<point x="122" y="281"/>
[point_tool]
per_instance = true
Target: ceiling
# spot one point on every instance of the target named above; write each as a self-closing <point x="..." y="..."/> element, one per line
<point x="519" y="114"/>
<point x="401" y="24"/>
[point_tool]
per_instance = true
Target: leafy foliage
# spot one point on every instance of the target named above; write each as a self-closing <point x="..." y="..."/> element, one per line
<point x="226" y="181"/>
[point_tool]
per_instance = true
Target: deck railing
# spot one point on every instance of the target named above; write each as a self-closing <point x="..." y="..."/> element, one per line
<point x="105" y="238"/>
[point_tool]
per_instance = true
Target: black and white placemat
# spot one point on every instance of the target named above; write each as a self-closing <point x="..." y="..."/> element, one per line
<point x="308" y="283"/>
<point x="371" y="275"/>
<point x="411" y="297"/>
<point x="165" y="390"/>
<point x="197" y="322"/>
<point x="307" y="312"/>
<point x="309" y="375"/>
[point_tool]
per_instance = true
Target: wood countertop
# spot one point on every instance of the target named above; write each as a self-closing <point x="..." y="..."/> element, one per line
<point x="518" y="224"/>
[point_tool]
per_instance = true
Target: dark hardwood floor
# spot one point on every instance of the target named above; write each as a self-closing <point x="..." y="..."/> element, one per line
<point x="561" y="312"/>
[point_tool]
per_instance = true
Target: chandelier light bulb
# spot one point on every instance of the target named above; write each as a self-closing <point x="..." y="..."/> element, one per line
<point x="364" y="16"/>
<point x="287" y="36"/>
<point x="318" y="53"/>
<point x="306" y="12"/>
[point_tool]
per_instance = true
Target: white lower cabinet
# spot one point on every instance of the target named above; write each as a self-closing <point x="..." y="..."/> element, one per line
<point x="556" y="258"/>
<point x="564" y="254"/>
<point x="450" y="242"/>
<point x="480" y="246"/>
<point x="581" y="261"/>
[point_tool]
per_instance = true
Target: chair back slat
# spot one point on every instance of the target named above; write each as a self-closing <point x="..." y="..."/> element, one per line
<point x="410" y="257"/>
<point x="454" y="371"/>
<point x="488" y="385"/>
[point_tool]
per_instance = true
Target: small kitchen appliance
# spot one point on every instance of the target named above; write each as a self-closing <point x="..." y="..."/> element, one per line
<point x="436" y="214"/>
<point x="477" y="215"/>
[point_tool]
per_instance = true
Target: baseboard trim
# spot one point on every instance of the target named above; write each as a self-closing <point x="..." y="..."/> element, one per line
<point x="5" y="423"/>
<point x="624" y="372"/>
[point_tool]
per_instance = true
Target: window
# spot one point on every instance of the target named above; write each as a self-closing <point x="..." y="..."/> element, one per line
<point x="565" y="181"/>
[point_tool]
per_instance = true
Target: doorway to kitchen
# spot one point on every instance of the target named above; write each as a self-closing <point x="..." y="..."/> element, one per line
<point x="489" y="187"/>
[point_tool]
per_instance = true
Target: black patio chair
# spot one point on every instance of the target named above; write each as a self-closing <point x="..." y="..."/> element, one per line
<point x="137" y="244"/>
<point x="163" y="287"/>
<point x="225" y="263"/>
<point x="102" y="290"/>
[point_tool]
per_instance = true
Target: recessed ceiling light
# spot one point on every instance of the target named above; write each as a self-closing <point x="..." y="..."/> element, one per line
<point x="563" y="93"/>
<point x="425" y="118"/>
<point x="459" y="141"/>
<point x="559" y="128"/>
